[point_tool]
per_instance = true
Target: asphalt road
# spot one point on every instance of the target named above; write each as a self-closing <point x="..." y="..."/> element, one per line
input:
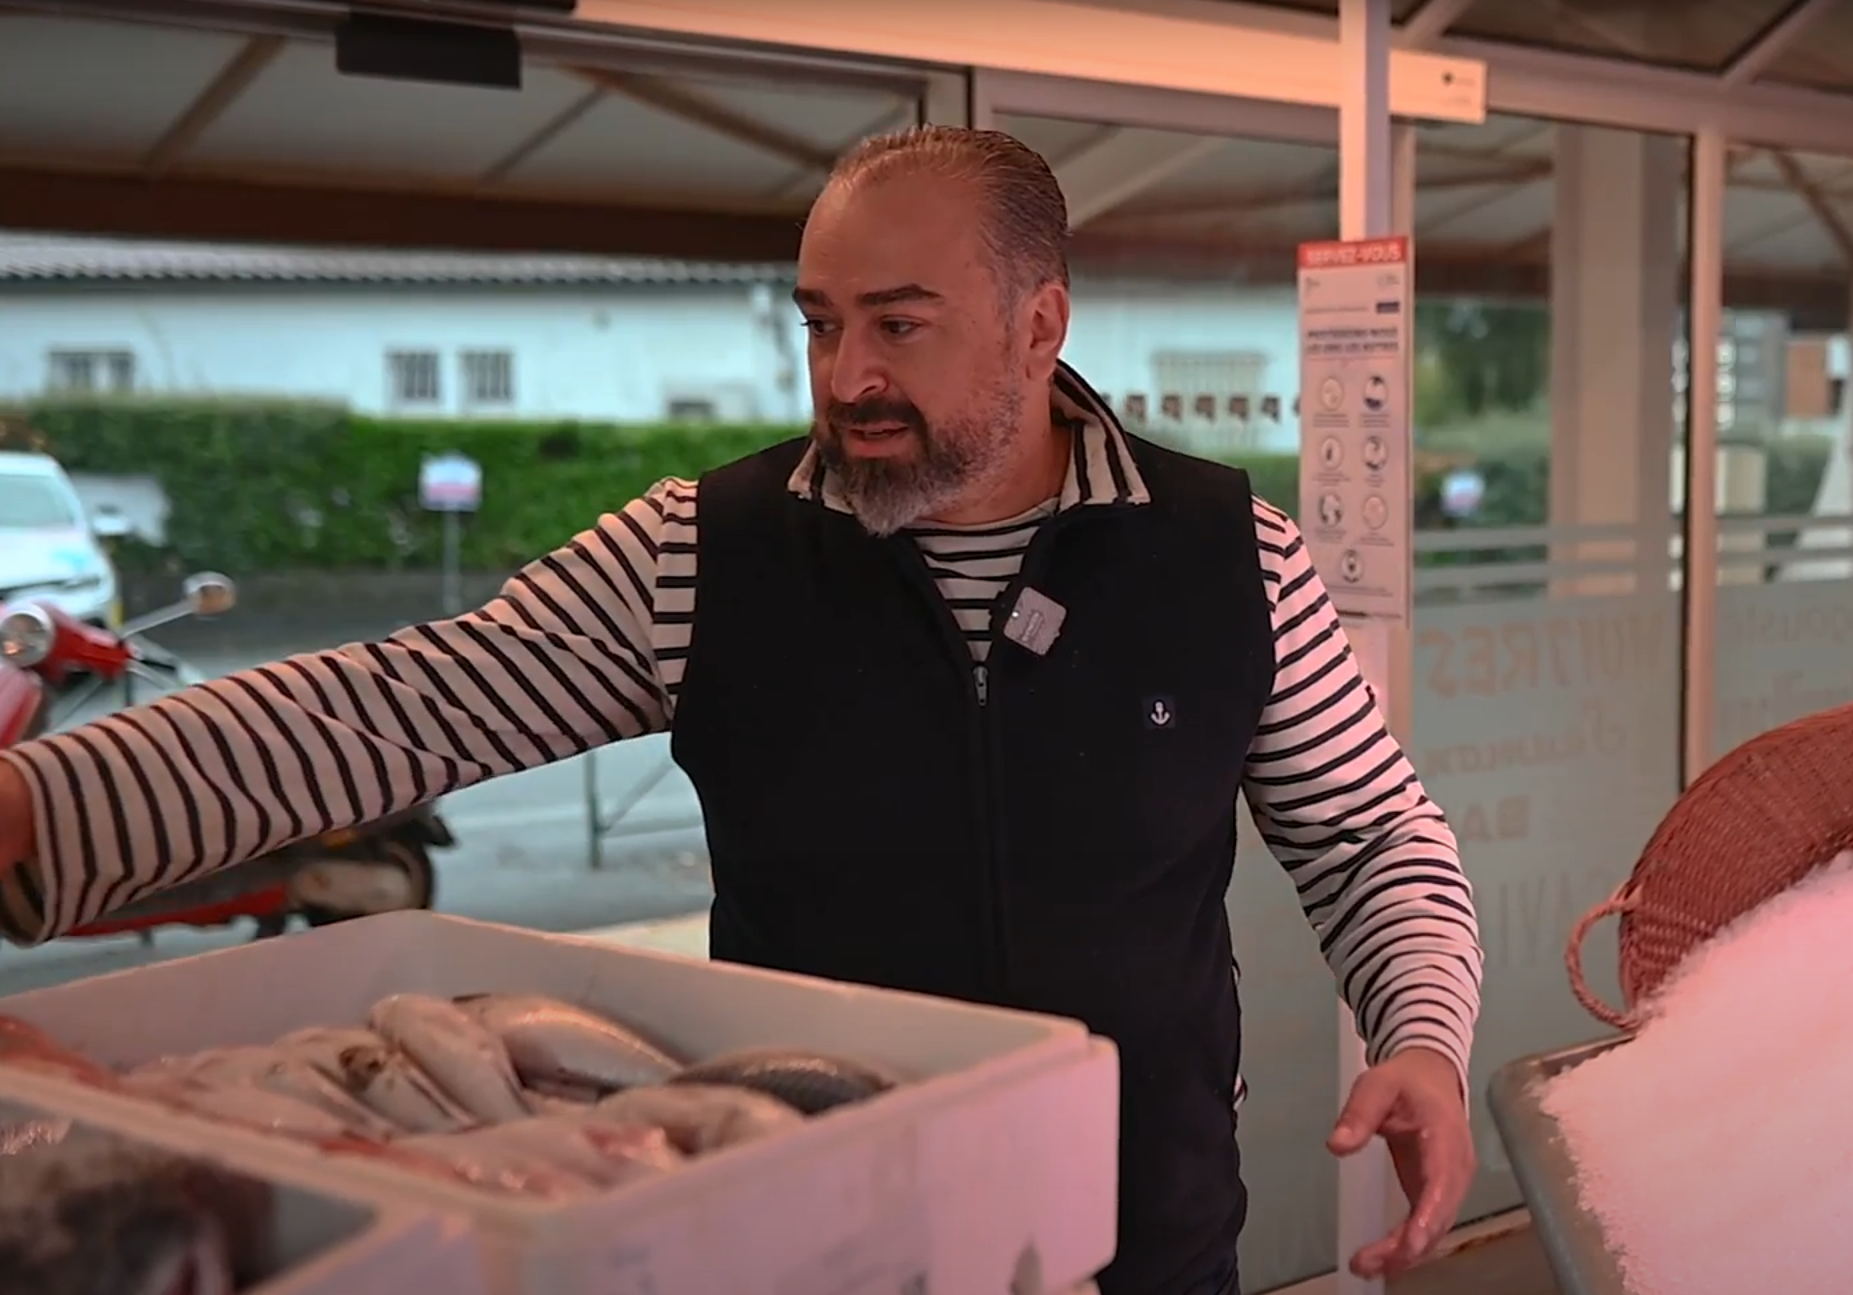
<point x="523" y="854"/>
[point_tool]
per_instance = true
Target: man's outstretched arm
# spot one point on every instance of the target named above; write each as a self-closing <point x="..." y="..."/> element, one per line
<point x="1379" y="875"/>
<point x="562" y="661"/>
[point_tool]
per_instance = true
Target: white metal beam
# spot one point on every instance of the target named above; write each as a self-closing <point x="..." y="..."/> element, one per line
<point x="1365" y="190"/>
<point x="1631" y="96"/>
<point x="1124" y="163"/>
<point x="1366" y="209"/>
<point x="1610" y="92"/>
<point x="238" y="75"/>
<point x="1426" y="25"/>
<point x="1762" y="54"/>
<point x="1019" y="94"/>
<point x="1065" y="38"/>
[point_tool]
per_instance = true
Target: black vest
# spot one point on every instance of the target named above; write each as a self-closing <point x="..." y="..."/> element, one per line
<point x="1058" y="839"/>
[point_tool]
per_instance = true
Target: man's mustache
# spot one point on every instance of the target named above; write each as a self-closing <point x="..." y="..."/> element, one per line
<point x="841" y="417"/>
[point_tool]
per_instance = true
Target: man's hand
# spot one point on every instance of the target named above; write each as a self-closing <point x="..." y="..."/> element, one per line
<point x="1414" y="1101"/>
<point x="16" y="843"/>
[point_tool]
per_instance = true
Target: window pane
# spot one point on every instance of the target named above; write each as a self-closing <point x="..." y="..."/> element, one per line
<point x="1785" y="503"/>
<point x="1547" y="636"/>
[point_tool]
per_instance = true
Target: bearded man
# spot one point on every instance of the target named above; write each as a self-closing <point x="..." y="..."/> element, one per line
<point x="969" y="682"/>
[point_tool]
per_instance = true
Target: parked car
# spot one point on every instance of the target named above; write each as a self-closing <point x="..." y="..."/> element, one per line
<point x="51" y="550"/>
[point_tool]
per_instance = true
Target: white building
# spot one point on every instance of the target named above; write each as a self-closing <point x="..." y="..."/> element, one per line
<point x="562" y="336"/>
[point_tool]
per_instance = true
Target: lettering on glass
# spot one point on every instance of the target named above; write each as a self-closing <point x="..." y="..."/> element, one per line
<point x="1588" y="730"/>
<point x="1587" y="651"/>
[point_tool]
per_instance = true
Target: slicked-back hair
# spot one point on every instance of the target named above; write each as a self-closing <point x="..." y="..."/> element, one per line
<point x="1025" y="217"/>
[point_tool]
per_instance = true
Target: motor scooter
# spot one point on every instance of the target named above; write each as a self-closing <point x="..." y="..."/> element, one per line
<point x="382" y="866"/>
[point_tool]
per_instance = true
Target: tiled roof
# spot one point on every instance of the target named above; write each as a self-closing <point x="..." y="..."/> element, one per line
<point x="50" y="258"/>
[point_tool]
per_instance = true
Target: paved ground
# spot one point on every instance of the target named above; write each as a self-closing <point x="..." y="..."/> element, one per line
<point x="523" y="853"/>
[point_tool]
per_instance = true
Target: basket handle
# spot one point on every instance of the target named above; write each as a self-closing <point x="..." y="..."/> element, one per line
<point x="1620" y="904"/>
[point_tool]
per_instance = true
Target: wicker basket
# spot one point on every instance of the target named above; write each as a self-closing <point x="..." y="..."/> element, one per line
<point x="1755" y="823"/>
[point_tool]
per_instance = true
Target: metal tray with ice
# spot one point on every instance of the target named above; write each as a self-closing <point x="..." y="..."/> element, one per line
<point x="1573" y="1240"/>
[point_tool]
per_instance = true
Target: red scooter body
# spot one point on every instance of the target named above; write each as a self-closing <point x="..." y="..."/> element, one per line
<point x="42" y="649"/>
<point x="23" y="706"/>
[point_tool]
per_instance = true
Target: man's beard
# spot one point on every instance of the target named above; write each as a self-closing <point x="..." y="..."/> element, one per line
<point x="889" y="493"/>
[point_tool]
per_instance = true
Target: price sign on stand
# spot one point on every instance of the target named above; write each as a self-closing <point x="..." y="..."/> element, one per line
<point x="451" y="484"/>
<point x="1356" y="500"/>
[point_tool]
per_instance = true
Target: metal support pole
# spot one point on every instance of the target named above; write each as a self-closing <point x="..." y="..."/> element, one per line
<point x="1365" y="211"/>
<point x="1700" y="578"/>
<point x="453" y="563"/>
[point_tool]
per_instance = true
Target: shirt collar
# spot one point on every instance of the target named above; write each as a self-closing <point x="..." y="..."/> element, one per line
<point x="1101" y="471"/>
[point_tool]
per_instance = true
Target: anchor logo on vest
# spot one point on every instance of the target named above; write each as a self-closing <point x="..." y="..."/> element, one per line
<point x="1159" y="714"/>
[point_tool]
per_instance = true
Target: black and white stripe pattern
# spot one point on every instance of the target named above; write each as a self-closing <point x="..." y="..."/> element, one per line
<point x="588" y="645"/>
<point x="973" y="565"/>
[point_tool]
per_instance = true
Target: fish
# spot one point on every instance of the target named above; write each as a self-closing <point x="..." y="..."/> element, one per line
<point x="563" y="1090"/>
<point x="463" y="1057"/>
<point x="83" y="1212"/>
<point x="635" y="1146"/>
<point x="289" y="1075"/>
<point x="810" y="1082"/>
<point x="583" y="1154"/>
<point x="320" y="1047"/>
<point x="400" y="1154"/>
<point x="546" y="1104"/>
<point x="555" y="1042"/>
<point x="27" y="1047"/>
<point x="496" y="1165"/>
<point x="243" y="1104"/>
<point x="174" y="1066"/>
<point x="391" y="1084"/>
<point x="699" y="1118"/>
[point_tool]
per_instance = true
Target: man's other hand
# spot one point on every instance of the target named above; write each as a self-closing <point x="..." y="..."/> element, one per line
<point x="1412" y="1100"/>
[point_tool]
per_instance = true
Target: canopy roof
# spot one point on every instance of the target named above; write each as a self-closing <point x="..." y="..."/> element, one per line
<point x="231" y="123"/>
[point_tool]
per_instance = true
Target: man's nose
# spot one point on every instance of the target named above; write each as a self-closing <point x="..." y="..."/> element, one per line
<point x="855" y="373"/>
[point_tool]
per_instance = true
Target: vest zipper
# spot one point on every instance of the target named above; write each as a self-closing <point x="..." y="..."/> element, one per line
<point x="997" y="855"/>
<point x="983" y="789"/>
<point x="987" y="737"/>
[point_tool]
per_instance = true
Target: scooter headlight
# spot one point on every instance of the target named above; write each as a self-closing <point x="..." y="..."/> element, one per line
<point x="27" y="633"/>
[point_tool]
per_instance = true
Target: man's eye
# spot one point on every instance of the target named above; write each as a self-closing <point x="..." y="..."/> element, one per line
<point x="819" y="327"/>
<point x="898" y="327"/>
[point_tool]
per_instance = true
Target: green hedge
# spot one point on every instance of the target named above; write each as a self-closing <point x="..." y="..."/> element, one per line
<point x="267" y="486"/>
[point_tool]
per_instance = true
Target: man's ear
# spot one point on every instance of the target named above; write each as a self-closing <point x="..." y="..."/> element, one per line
<point x="1043" y="319"/>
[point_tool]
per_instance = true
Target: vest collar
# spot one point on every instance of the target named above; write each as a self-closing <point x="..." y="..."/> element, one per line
<point x="1101" y="472"/>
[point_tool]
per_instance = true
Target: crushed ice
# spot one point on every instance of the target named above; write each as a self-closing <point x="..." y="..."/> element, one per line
<point x="1716" y="1148"/>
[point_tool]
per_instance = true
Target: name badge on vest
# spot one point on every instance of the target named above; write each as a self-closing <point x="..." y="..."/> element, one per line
<point x="1035" y="621"/>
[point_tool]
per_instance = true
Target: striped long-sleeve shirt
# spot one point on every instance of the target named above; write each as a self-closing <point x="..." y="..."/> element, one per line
<point x="588" y="644"/>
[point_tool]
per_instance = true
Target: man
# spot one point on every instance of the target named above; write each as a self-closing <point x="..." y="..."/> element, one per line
<point x="969" y="684"/>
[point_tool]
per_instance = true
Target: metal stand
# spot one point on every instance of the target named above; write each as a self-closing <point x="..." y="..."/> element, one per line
<point x="453" y="563"/>
<point x="600" y="822"/>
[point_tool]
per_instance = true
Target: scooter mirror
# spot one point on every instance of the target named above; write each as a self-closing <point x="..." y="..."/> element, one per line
<point x="27" y="633"/>
<point x="210" y="594"/>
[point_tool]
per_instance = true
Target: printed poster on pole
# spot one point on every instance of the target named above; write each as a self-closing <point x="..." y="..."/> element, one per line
<point x="1356" y="494"/>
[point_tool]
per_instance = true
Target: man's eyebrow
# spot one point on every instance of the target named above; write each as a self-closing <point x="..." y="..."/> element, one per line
<point x="881" y="297"/>
<point x="895" y="296"/>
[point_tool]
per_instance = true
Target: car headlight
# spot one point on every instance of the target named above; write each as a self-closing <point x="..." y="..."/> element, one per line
<point x="26" y="635"/>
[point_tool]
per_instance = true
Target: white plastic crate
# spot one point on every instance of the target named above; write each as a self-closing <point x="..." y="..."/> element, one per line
<point x="325" y="1242"/>
<point x="1002" y="1143"/>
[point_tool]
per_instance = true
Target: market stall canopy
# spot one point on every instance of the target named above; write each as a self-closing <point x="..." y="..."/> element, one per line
<point x="231" y="122"/>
